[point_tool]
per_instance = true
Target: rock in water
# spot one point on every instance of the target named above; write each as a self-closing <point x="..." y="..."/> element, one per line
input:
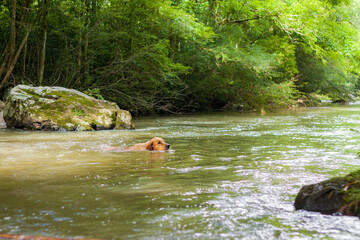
<point x="2" y="122"/>
<point x="337" y="195"/>
<point x="58" y="108"/>
<point x="2" y="106"/>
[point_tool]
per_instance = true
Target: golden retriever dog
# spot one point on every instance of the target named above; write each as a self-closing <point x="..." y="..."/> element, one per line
<point x="155" y="144"/>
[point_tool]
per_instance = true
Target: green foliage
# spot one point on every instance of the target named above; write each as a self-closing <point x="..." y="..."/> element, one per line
<point x="78" y="112"/>
<point x="182" y="55"/>
<point x="331" y="79"/>
<point x="94" y="92"/>
<point x="4" y="15"/>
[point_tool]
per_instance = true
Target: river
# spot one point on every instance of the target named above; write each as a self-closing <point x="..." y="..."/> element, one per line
<point x="228" y="175"/>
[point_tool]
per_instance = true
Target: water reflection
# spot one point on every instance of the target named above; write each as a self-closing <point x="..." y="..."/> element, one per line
<point x="229" y="175"/>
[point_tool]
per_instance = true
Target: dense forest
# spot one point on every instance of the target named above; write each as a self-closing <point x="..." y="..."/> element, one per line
<point x="183" y="55"/>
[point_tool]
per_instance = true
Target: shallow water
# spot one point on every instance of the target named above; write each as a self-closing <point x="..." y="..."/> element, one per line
<point x="228" y="175"/>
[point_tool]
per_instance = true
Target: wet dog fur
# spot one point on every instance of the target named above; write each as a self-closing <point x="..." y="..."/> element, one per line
<point x="155" y="144"/>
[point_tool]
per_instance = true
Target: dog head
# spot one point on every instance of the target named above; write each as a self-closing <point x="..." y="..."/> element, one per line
<point x="157" y="144"/>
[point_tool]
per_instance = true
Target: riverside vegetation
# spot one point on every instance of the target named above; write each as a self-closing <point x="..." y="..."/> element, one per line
<point x="184" y="55"/>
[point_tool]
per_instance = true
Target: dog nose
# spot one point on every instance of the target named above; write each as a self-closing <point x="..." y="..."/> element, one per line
<point x="167" y="146"/>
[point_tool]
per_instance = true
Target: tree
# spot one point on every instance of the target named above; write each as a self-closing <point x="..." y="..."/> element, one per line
<point x="180" y="55"/>
<point x="43" y="50"/>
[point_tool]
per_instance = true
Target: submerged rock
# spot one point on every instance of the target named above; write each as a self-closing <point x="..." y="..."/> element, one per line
<point x="2" y="122"/>
<point x="337" y="195"/>
<point x="58" y="108"/>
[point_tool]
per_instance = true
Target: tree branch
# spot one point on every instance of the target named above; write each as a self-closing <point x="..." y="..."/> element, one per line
<point x="248" y="19"/>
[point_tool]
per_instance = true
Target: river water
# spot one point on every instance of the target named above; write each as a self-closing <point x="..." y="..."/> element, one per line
<point x="229" y="175"/>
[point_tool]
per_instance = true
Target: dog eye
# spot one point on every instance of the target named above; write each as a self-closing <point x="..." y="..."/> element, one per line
<point x="159" y="142"/>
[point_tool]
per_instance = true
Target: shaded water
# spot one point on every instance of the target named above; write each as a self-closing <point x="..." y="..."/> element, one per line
<point x="228" y="175"/>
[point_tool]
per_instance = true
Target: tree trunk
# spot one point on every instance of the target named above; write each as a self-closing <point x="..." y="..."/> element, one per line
<point x="213" y="9"/>
<point x="86" y="70"/>
<point x="4" y="59"/>
<point x="43" y="50"/>
<point x="37" y="58"/>
<point x="12" y="43"/>
<point x="24" y="10"/>
<point x="9" y="51"/>
<point x="86" y="43"/>
<point x="78" y="77"/>
<point x="12" y="64"/>
<point x="24" y="64"/>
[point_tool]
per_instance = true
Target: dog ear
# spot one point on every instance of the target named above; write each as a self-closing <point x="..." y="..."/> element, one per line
<point x="149" y="145"/>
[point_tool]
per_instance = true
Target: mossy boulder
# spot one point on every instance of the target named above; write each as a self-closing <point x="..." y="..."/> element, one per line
<point x="58" y="108"/>
<point x="337" y="195"/>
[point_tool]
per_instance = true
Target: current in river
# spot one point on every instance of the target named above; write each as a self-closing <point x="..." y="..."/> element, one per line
<point x="228" y="175"/>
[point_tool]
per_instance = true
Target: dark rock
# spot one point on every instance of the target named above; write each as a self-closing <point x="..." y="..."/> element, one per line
<point x="322" y="197"/>
<point x="2" y="122"/>
<point x="337" y="195"/>
<point x="341" y="101"/>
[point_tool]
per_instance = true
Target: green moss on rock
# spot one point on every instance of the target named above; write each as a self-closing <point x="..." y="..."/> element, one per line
<point x="57" y="108"/>
<point x="337" y="195"/>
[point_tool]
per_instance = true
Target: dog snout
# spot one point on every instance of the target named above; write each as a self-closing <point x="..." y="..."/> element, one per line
<point x="167" y="146"/>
